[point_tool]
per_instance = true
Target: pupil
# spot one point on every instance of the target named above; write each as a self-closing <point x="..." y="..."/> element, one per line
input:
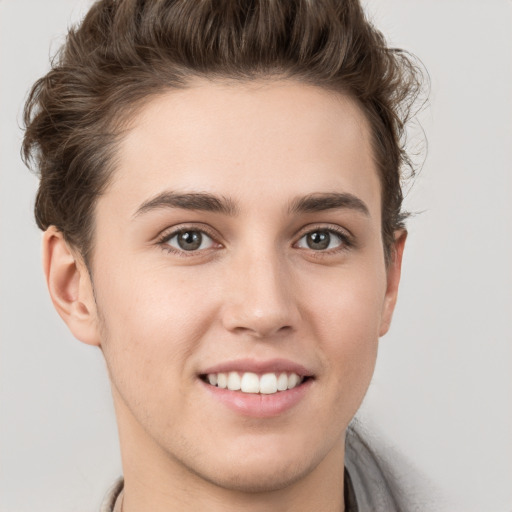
<point x="319" y="240"/>
<point x="190" y="240"/>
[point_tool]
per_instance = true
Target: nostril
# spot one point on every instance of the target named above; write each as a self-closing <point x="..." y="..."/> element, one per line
<point x="262" y="330"/>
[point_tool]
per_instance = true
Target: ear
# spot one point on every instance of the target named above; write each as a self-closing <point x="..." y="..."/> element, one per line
<point x="393" y="280"/>
<point x="70" y="287"/>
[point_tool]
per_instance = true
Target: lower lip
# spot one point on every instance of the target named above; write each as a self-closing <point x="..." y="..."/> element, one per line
<point x="259" y="405"/>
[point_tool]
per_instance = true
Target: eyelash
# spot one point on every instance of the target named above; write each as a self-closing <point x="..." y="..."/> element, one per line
<point x="163" y="240"/>
<point x="346" y="240"/>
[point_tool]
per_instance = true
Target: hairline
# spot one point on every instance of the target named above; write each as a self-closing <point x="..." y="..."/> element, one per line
<point x="127" y="115"/>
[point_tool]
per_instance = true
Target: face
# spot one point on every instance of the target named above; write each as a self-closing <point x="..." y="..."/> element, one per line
<point x="239" y="245"/>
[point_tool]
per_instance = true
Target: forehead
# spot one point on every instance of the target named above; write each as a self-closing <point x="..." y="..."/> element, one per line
<point x="249" y="141"/>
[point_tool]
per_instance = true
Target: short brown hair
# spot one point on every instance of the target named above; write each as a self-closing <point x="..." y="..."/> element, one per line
<point x="126" y="51"/>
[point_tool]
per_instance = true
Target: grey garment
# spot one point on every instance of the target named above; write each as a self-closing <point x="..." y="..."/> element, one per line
<point x="114" y="497"/>
<point x="365" y="487"/>
<point x="372" y="488"/>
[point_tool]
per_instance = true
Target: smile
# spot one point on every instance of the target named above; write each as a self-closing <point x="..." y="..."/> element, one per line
<point x="249" y="382"/>
<point x="258" y="389"/>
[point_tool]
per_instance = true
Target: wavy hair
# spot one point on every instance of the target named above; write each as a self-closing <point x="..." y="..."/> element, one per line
<point x="126" y="51"/>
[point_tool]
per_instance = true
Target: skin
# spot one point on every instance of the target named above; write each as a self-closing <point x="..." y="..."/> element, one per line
<point x="254" y="290"/>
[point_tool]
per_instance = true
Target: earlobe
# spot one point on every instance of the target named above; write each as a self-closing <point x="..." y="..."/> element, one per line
<point x="393" y="280"/>
<point x="70" y="287"/>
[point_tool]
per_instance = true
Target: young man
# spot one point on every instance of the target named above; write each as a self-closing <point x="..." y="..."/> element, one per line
<point x="220" y="194"/>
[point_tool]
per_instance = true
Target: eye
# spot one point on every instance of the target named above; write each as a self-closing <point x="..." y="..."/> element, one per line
<point x="189" y="240"/>
<point x="322" y="240"/>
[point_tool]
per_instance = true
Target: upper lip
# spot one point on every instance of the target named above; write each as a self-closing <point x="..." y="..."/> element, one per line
<point x="256" y="366"/>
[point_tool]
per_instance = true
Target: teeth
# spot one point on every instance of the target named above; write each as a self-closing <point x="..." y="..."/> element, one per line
<point x="233" y="381"/>
<point x="293" y="380"/>
<point x="268" y="383"/>
<point x="282" y="382"/>
<point x="248" y="382"/>
<point x="222" y="380"/>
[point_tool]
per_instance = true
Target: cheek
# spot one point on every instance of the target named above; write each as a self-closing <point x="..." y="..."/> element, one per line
<point x="150" y="326"/>
<point x="348" y="303"/>
<point x="348" y="317"/>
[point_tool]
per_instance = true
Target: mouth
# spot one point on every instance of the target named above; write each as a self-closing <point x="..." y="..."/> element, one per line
<point x="258" y="389"/>
<point x="255" y="383"/>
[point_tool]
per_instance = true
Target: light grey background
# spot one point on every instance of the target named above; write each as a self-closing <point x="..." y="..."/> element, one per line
<point x="441" y="400"/>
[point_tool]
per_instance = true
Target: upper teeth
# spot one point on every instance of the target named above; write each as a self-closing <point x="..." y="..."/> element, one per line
<point x="249" y="382"/>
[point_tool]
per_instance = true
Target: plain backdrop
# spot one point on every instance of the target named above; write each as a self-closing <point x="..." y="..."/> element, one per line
<point x="440" y="404"/>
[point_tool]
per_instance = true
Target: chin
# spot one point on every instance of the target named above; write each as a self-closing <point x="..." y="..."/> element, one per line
<point x="260" y="463"/>
<point x="265" y="479"/>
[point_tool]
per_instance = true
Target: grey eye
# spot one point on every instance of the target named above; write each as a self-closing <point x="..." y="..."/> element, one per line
<point x="320" y="240"/>
<point x="190" y="240"/>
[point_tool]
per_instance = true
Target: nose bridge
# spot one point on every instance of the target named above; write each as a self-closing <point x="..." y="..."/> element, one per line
<point x="260" y="299"/>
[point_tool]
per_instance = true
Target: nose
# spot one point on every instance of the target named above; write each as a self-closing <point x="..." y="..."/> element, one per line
<point x="260" y="299"/>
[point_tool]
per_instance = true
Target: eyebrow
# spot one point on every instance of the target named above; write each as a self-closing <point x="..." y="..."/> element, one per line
<point x="202" y="201"/>
<point x="328" y="201"/>
<point x="189" y="201"/>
